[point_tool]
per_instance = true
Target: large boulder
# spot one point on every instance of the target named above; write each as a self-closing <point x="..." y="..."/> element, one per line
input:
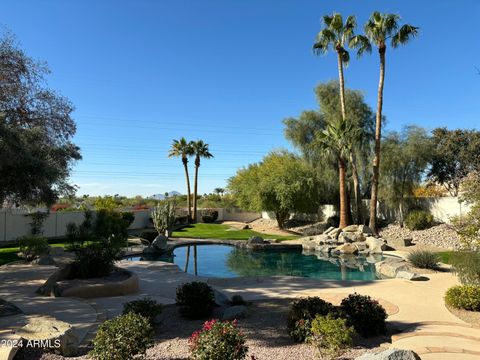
<point x="160" y="243"/>
<point x="396" y="243"/>
<point x="235" y="312"/>
<point x="57" y="333"/>
<point x="350" y="237"/>
<point x="321" y="239"/>
<point x="350" y="228"/>
<point x="375" y="246"/>
<point x="364" y="229"/>
<point x="308" y="244"/>
<point x="391" y="354"/>
<point x="390" y="267"/>
<point x="346" y="249"/>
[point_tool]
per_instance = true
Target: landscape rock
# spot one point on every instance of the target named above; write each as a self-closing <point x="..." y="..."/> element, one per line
<point x="391" y="354"/>
<point x="54" y="331"/>
<point x="246" y="227"/>
<point x="395" y="243"/>
<point x="346" y="249"/>
<point x="361" y="246"/>
<point x="441" y="236"/>
<point x="391" y="266"/>
<point x="375" y="246"/>
<point x="407" y="275"/>
<point x="350" y="228"/>
<point x="220" y="298"/>
<point x="334" y="233"/>
<point x="364" y="229"/>
<point x="309" y="244"/>
<point x="328" y="230"/>
<point x="256" y="240"/>
<point x="160" y="243"/>
<point x="235" y="312"/>
<point x="322" y="238"/>
<point x="44" y="260"/>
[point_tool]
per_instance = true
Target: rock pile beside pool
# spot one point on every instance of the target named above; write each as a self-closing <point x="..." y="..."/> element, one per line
<point x="353" y="239"/>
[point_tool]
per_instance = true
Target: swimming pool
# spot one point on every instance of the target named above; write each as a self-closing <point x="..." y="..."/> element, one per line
<point x="228" y="262"/>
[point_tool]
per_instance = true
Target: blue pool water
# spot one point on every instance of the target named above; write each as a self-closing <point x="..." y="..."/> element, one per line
<point x="227" y="262"/>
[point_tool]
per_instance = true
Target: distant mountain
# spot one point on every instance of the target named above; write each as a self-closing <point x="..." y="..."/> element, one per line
<point x="162" y="196"/>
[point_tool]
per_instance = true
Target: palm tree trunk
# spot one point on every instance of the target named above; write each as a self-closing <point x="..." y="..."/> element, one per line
<point x="341" y="82"/>
<point x="189" y="200"/>
<point x="356" y="191"/>
<point x="378" y="135"/>
<point x="343" y="193"/>
<point x="195" y="188"/>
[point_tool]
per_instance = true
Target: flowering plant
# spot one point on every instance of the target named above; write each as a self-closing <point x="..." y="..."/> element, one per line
<point x="218" y="340"/>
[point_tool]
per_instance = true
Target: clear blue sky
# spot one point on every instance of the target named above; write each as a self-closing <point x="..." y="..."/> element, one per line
<point x="143" y="72"/>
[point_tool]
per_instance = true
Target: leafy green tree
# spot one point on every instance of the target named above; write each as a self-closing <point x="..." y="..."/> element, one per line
<point x="200" y="150"/>
<point x="282" y="183"/>
<point x="468" y="226"/>
<point x="406" y="156"/>
<point x="380" y="29"/>
<point x="183" y="149"/>
<point x="361" y="116"/>
<point x="303" y="130"/>
<point x="456" y="154"/>
<point x="36" y="128"/>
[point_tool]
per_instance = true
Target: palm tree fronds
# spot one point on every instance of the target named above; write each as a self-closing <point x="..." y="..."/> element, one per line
<point x="403" y="35"/>
<point x="324" y="38"/>
<point x="361" y="43"/>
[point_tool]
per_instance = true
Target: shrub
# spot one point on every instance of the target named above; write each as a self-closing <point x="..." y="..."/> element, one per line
<point x="94" y="260"/>
<point x="238" y="300"/>
<point x="424" y="259"/>
<point x="331" y="336"/>
<point x="418" y="220"/>
<point x="218" y="341"/>
<point x="209" y="215"/>
<point x="366" y="315"/>
<point x="32" y="246"/>
<point x="163" y="216"/>
<point x="465" y="297"/>
<point x="36" y="225"/>
<point x="302" y="312"/>
<point x="146" y="307"/>
<point x="128" y="217"/>
<point x="122" y="338"/>
<point x="466" y="265"/>
<point x="196" y="299"/>
<point x="77" y="236"/>
<point x="111" y="227"/>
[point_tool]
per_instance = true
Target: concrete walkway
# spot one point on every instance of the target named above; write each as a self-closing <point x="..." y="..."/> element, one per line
<point x="416" y="308"/>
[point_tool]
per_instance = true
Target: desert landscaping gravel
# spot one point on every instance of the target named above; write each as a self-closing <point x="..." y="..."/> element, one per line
<point x="442" y="236"/>
<point x="267" y="337"/>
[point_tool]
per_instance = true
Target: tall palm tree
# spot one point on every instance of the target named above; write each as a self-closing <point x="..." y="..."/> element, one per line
<point x="337" y="139"/>
<point x="380" y="29"/>
<point x="183" y="149"/>
<point x="200" y="150"/>
<point x="336" y="34"/>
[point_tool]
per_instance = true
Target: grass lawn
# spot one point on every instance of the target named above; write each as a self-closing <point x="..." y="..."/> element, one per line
<point x="445" y="256"/>
<point x="9" y="254"/>
<point x="223" y="232"/>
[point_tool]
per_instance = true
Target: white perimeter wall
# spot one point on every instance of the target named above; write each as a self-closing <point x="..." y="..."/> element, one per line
<point x="14" y="224"/>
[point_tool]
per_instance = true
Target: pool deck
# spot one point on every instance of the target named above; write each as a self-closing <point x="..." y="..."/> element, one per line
<point x="428" y="327"/>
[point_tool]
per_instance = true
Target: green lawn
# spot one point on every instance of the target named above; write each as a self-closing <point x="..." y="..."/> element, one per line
<point x="223" y="232"/>
<point x="9" y="254"/>
<point x="445" y="256"/>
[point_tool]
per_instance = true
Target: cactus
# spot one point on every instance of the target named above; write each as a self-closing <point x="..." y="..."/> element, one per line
<point x="163" y="216"/>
